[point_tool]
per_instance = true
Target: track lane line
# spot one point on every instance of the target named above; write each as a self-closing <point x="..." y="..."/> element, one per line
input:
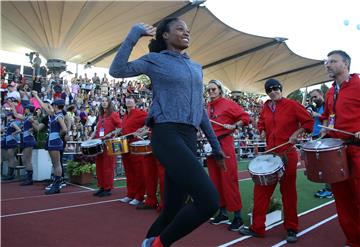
<point x="308" y="229"/>
<point x="276" y="224"/>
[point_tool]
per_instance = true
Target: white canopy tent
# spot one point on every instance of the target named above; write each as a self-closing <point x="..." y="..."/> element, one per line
<point x="91" y="31"/>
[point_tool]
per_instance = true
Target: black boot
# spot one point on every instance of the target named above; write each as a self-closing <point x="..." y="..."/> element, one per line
<point x="55" y="187"/>
<point x="28" y="179"/>
<point x="10" y="175"/>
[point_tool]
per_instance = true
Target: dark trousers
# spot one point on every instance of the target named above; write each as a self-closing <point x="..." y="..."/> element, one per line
<point x="174" y="145"/>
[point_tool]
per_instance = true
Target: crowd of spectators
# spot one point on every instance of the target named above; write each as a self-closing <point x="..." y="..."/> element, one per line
<point x="82" y="95"/>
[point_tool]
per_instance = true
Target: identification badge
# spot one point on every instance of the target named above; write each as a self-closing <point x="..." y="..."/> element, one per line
<point x="101" y="133"/>
<point x="331" y="121"/>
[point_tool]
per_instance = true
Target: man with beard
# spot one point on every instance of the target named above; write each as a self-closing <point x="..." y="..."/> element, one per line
<point x="317" y="103"/>
<point x="342" y="104"/>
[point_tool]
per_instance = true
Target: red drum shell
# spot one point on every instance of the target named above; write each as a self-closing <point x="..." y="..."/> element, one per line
<point x="328" y="165"/>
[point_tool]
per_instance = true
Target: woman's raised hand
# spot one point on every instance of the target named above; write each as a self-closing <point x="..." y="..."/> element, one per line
<point x="150" y="30"/>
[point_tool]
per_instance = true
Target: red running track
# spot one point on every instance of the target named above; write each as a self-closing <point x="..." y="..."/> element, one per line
<point x="76" y="218"/>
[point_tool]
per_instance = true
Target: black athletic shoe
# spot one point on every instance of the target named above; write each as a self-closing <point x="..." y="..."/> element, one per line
<point x="98" y="192"/>
<point x="291" y="236"/>
<point x="105" y="193"/>
<point x="219" y="219"/>
<point x="236" y="224"/>
<point x="248" y="232"/>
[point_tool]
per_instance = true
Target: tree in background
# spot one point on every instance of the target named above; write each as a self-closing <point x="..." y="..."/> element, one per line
<point x="296" y="95"/>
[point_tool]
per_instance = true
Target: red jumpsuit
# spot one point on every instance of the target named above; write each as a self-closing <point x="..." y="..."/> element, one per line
<point x="347" y="193"/>
<point x="134" y="164"/>
<point x="279" y="125"/>
<point x="226" y="182"/>
<point x="105" y="163"/>
<point x="154" y="172"/>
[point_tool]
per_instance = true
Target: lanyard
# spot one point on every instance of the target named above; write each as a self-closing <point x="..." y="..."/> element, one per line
<point x="336" y="92"/>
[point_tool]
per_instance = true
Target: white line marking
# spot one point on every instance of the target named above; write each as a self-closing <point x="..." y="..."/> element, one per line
<point x="60" y="194"/>
<point x="276" y="224"/>
<point x="59" y="208"/>
<point x="308" y="229"/>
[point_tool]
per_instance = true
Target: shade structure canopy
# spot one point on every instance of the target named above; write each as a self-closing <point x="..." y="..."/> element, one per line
<point x="91" y="31"/>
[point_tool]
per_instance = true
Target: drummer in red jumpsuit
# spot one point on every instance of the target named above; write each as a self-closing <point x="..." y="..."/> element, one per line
<point x="229" y="115"/>
<point x="108" y="122"/>
<point x="133" y="120"/>
<point x="342" y="111"/>
<point x="281" y="120"/>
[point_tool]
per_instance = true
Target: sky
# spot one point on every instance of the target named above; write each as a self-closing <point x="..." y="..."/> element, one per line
<point x="313" y="27"/>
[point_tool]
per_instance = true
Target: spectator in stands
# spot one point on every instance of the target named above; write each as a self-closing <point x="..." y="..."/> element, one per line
<point x="36" y="64"/>
<point x="17" y="77"/>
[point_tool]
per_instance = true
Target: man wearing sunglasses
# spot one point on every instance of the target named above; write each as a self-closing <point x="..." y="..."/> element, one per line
<point x="281" y="121"/>
<point x="228" y="116"/>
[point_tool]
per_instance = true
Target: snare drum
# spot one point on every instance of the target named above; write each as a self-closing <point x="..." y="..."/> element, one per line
<point x="266" y="169"/>
<point x="92" y="147"/>
<point x="117" y="146"/>
<point x="325" y="160"/>
<point x="141" y="147"/>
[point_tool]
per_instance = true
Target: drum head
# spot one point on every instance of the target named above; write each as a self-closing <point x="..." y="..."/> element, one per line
<point x="265" y="164"/>
<point x="140" y="143"/>
<point x="91" y="143"/>
<point x="322" y="144"/>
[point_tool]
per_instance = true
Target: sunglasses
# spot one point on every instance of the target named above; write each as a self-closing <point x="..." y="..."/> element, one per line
<point x="213" y="89"/>
<point x="273" y="88"/>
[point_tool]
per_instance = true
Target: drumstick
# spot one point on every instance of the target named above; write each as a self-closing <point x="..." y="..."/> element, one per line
<point x="333" y="129"/>
<point x="272" y="149"/>
<point x="222" y="125"/>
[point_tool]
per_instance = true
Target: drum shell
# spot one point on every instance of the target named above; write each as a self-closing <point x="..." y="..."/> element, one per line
<point x="268" y="179"/>
<point x="117" y="146"/>
<point x="327" y="165"/>
<point x="140" y="149"/>
<point x="92" y="150"/>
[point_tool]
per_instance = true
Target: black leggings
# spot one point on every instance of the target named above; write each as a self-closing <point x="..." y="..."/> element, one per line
<point x="174" y="145"/>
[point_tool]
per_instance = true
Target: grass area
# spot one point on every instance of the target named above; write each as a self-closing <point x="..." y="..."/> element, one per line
<point x="305" y="191"/>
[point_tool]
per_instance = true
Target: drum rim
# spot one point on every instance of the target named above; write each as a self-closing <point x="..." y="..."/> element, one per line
<point x="323" y="149"/>
<point x="134" y="144"/>
<point x="270" y="172"/>
<point x="97" y="143"/>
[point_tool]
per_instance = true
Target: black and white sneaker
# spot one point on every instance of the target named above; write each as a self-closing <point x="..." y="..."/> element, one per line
<point x="62" y="185"/>
<point x="236" y="224"/>
<point x="219" y="219"/>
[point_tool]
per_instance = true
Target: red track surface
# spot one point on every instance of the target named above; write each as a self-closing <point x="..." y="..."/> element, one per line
<point x="76" y="218"/>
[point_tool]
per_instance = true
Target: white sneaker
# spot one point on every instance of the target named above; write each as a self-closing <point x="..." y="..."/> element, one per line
<point x="126" y="199"/>
<point x="134" y="202"/>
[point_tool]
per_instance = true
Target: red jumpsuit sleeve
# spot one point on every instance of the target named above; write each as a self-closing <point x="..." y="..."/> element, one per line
<point x="304" y="118"/>
<point x="238" y="114"/>
<point x="116" y="120"/>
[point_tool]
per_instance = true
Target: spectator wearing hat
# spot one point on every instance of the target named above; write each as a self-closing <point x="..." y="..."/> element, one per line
<point x="12" y="139"/>
<point x="281" y="121"/>
<point x="28" y="143"/>
<point x="54" y="144"/>
<point x="231" y="116"/>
